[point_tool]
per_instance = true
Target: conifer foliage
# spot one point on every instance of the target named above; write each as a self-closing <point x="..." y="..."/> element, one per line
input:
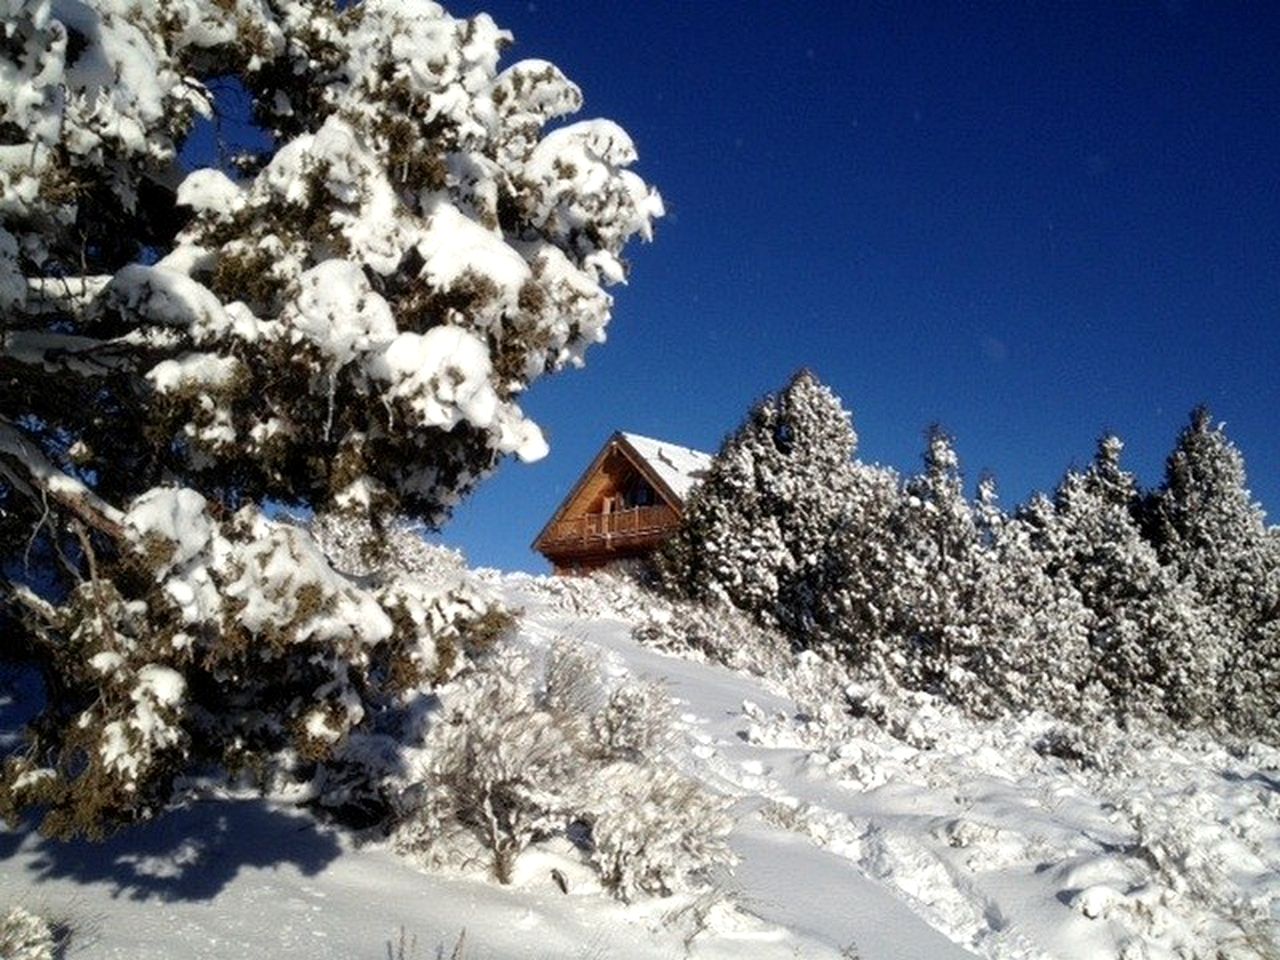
<point x="937" y="570"/>
<point x="343" y="320"/>
<point x="1144" y="627"/>
<point x="1101" y="601"/>
<point x="1207" y="527"/>
<point x="758" y="526"/>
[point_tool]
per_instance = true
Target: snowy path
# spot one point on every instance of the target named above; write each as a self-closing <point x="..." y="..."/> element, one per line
<point x="782" y="878"/>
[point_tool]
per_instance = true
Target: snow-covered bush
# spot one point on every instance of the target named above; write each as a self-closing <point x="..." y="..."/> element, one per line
<point x="341" y="319"/>
<point x="634" y="722"/>
<point x="26" y="936"/>
<point x="494" y="763"/>
<point x="520" y="754"/>
<point x="604" y="592"/>
<point x="654" y="832"/>
<point x="720" y="633"/>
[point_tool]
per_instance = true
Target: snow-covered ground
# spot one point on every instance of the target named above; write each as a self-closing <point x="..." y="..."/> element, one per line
<point x="954" y="839"/>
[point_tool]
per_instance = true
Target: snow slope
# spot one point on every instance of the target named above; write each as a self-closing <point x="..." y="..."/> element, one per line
<point x="850" y="840"/>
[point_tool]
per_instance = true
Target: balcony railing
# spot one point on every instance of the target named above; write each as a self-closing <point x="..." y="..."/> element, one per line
<point x="618" y="527"/>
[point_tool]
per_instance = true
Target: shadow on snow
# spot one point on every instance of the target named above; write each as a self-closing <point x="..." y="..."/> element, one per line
<point x="189" y="854"/>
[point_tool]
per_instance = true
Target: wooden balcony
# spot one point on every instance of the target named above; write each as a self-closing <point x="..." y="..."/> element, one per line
<point x="638" y="527"/>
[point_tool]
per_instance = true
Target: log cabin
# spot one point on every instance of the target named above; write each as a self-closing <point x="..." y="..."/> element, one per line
<point x="626" y="503"/>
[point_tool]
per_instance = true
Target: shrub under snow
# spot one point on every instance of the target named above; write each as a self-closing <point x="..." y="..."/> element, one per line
<point x="519" y="755"/>
<point x="25" y="936"/>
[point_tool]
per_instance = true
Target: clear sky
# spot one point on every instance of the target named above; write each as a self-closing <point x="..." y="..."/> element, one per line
<point x="1029" y="222"/>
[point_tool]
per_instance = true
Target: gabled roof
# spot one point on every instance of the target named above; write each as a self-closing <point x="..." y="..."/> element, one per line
<point x="678" y="467"/>
<point x="672" y="469"/>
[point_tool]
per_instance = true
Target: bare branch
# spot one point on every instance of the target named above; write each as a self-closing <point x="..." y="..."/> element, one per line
<point x="31" y="603"/>
<point x="56" y="352"/>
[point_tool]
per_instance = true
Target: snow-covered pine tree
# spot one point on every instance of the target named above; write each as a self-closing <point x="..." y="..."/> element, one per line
<point x="938" y="570"/>
<point x="1149" y="641"/>
<point x="859" y="606"/>
<point x="1033" y="624"/>
<point x="1205" y="523"/>
<point x="758" y="527"/>
<point x="343" y="320"/>
<point x="813" y="486"/>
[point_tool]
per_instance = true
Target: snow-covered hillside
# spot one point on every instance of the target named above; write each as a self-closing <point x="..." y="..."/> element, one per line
<point x="944" y="839"/>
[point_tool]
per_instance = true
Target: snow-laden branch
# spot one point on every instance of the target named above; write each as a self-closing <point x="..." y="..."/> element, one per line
<point x="30" y="472"/>
<point x="62" y="294"/>
<point x="57" y="352"/>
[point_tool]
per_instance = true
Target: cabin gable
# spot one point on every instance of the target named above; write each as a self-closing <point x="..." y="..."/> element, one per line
<point x="616" y="483"/>
<point x="622" y="507"/>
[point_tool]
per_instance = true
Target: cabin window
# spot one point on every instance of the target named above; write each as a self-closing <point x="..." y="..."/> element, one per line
<point x="639" y="494"/>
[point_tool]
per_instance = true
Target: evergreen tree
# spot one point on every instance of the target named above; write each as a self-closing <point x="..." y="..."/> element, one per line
<point x="757" y="529"/>
<point x="344" y="320"/>
<point x="1148" y="632"/>
<point x="1034" y="625"/>
<point x="939" y="570"/>
<point x="860" y="608"/>
<point x="1207" y="526"/>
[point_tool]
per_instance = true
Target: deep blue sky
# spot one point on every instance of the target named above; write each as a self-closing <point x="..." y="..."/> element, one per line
<point x="1029" y="222"/>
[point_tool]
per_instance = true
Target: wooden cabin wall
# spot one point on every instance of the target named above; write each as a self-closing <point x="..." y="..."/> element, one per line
<point x="609" y="481"/>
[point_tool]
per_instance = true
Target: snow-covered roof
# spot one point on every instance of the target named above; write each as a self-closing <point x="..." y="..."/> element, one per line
<point x="678" y="467"/>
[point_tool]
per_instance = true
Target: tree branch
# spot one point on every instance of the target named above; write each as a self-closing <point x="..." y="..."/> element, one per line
<point x="57" y="352"/>
<point x="63" y="294"/>
<point x="28" y="470"/>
